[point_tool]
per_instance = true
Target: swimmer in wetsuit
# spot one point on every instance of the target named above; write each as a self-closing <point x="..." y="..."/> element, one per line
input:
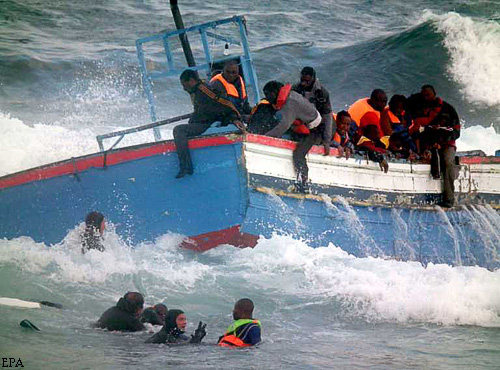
<point x="125" y="315"/>
<point x="173" y="330"/>
<point x="155" y="315"/>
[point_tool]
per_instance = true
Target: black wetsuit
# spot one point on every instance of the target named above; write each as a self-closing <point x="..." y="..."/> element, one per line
<point x="149" y="315"/>
<point x="171" y="334"/>
<point x="121" y="317"/>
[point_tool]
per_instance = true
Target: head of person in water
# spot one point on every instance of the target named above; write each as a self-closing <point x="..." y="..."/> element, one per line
<point x="161" y="311"/>
<point x="343" y="122"/>
<point x="231" y="71"/>
<point x="189" y="80"/>
<point x="94" y="229"/>
<point x="175" y="322"/>
<point x="378" y="99"/>
<point x="132" y="302"/>
<point x="272" y="90"/>
<point x="397" y="104"/>
<point x="95" y="222"/>
<point x="428" y="93"/>
<point x="307" y="78"/>
<point x="243" y="309"/>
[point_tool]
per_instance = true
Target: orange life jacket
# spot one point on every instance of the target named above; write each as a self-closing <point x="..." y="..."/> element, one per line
<point x="392" y="117"/>
<point x="298" y="126"/>
<point x="232" y="340"/>
<point x="359" y="108"/>
<point x="231" y="90"/>
<point x="338" y="139"/>
<point x="229" y="339"/>
<point x="263" y="102"/>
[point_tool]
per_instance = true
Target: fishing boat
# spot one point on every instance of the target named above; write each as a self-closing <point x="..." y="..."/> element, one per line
<point x="242" y="188"/>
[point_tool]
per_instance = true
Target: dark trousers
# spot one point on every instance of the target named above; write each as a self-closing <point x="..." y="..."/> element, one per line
<point x="305" y="143"/>
<point x="181" y="135"/>
<point x="447" y="156"/>
<point x="443" y="163"/>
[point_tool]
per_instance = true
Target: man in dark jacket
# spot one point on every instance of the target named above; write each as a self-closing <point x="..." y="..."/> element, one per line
<point x="437" y="126"/>
<point x="311" y="89"/>
<point x="125" y="315"/>
<point x="208" y="108"/>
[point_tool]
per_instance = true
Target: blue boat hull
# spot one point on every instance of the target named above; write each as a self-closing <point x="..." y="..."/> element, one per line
<point x="223" y="203"/>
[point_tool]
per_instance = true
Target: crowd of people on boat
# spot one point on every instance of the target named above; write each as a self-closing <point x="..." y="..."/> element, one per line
<point x="419" y="127"/>
<point x="128" y="315"/>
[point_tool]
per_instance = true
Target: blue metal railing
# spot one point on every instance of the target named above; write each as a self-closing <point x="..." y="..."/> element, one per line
<point x="175" y="68"/>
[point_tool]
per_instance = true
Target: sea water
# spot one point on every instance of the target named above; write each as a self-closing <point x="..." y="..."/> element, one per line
<point x="68" y="72"/>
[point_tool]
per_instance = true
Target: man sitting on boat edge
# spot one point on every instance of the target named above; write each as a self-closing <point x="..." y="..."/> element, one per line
<point x="312" y="90"/>
<point x="208" y="108"/>
<point x="230" y="85"/>
<point x="296" y="113"/>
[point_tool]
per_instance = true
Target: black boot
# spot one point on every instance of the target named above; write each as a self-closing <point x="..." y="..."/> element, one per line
<point x="183" y="173"/>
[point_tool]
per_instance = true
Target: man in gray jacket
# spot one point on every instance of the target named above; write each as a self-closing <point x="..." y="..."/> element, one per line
<point x="299" y="115"/>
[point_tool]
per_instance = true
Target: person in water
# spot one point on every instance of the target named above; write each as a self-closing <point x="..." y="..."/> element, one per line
<point x="125" y="315"/>
<point x="245" y="331"/>
<point x="208" y="108"/>
<point x="174" y="328"/>
<point x="94" y="228"/>
<point x="154" y="315"/>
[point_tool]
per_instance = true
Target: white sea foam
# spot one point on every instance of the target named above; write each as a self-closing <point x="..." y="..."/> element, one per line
<point x="381" y="290"/>
<point x="478" y="137"/>
<point x="23" y="147"/>
<point x="367" y="288"/>
<point x="474" y="47"/>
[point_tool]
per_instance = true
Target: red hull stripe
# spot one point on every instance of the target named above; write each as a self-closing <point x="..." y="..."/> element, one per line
<point x="231" y="236"/>
<point x="285" y="144"/>
<point x="129" y="154"/>
<point x="97" y="160"/>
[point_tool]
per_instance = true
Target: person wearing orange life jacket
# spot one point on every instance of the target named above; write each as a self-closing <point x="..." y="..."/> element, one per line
<point x="245" y="331"/>
<point x="230" y="85"/>
<point x="341" y="140"/>
<point x="311" y="89"/>
<point x="374" y="105"/>
<point x="394" y="123"/>
<point x="296" y="113"/>
<point x="438" y="126"/>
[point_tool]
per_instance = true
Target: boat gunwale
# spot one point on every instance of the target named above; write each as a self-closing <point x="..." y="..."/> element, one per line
<point x="74" y="165"/>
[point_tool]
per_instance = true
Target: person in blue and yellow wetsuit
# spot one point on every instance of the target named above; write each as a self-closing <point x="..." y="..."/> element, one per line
<point x="245" y="331"/>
